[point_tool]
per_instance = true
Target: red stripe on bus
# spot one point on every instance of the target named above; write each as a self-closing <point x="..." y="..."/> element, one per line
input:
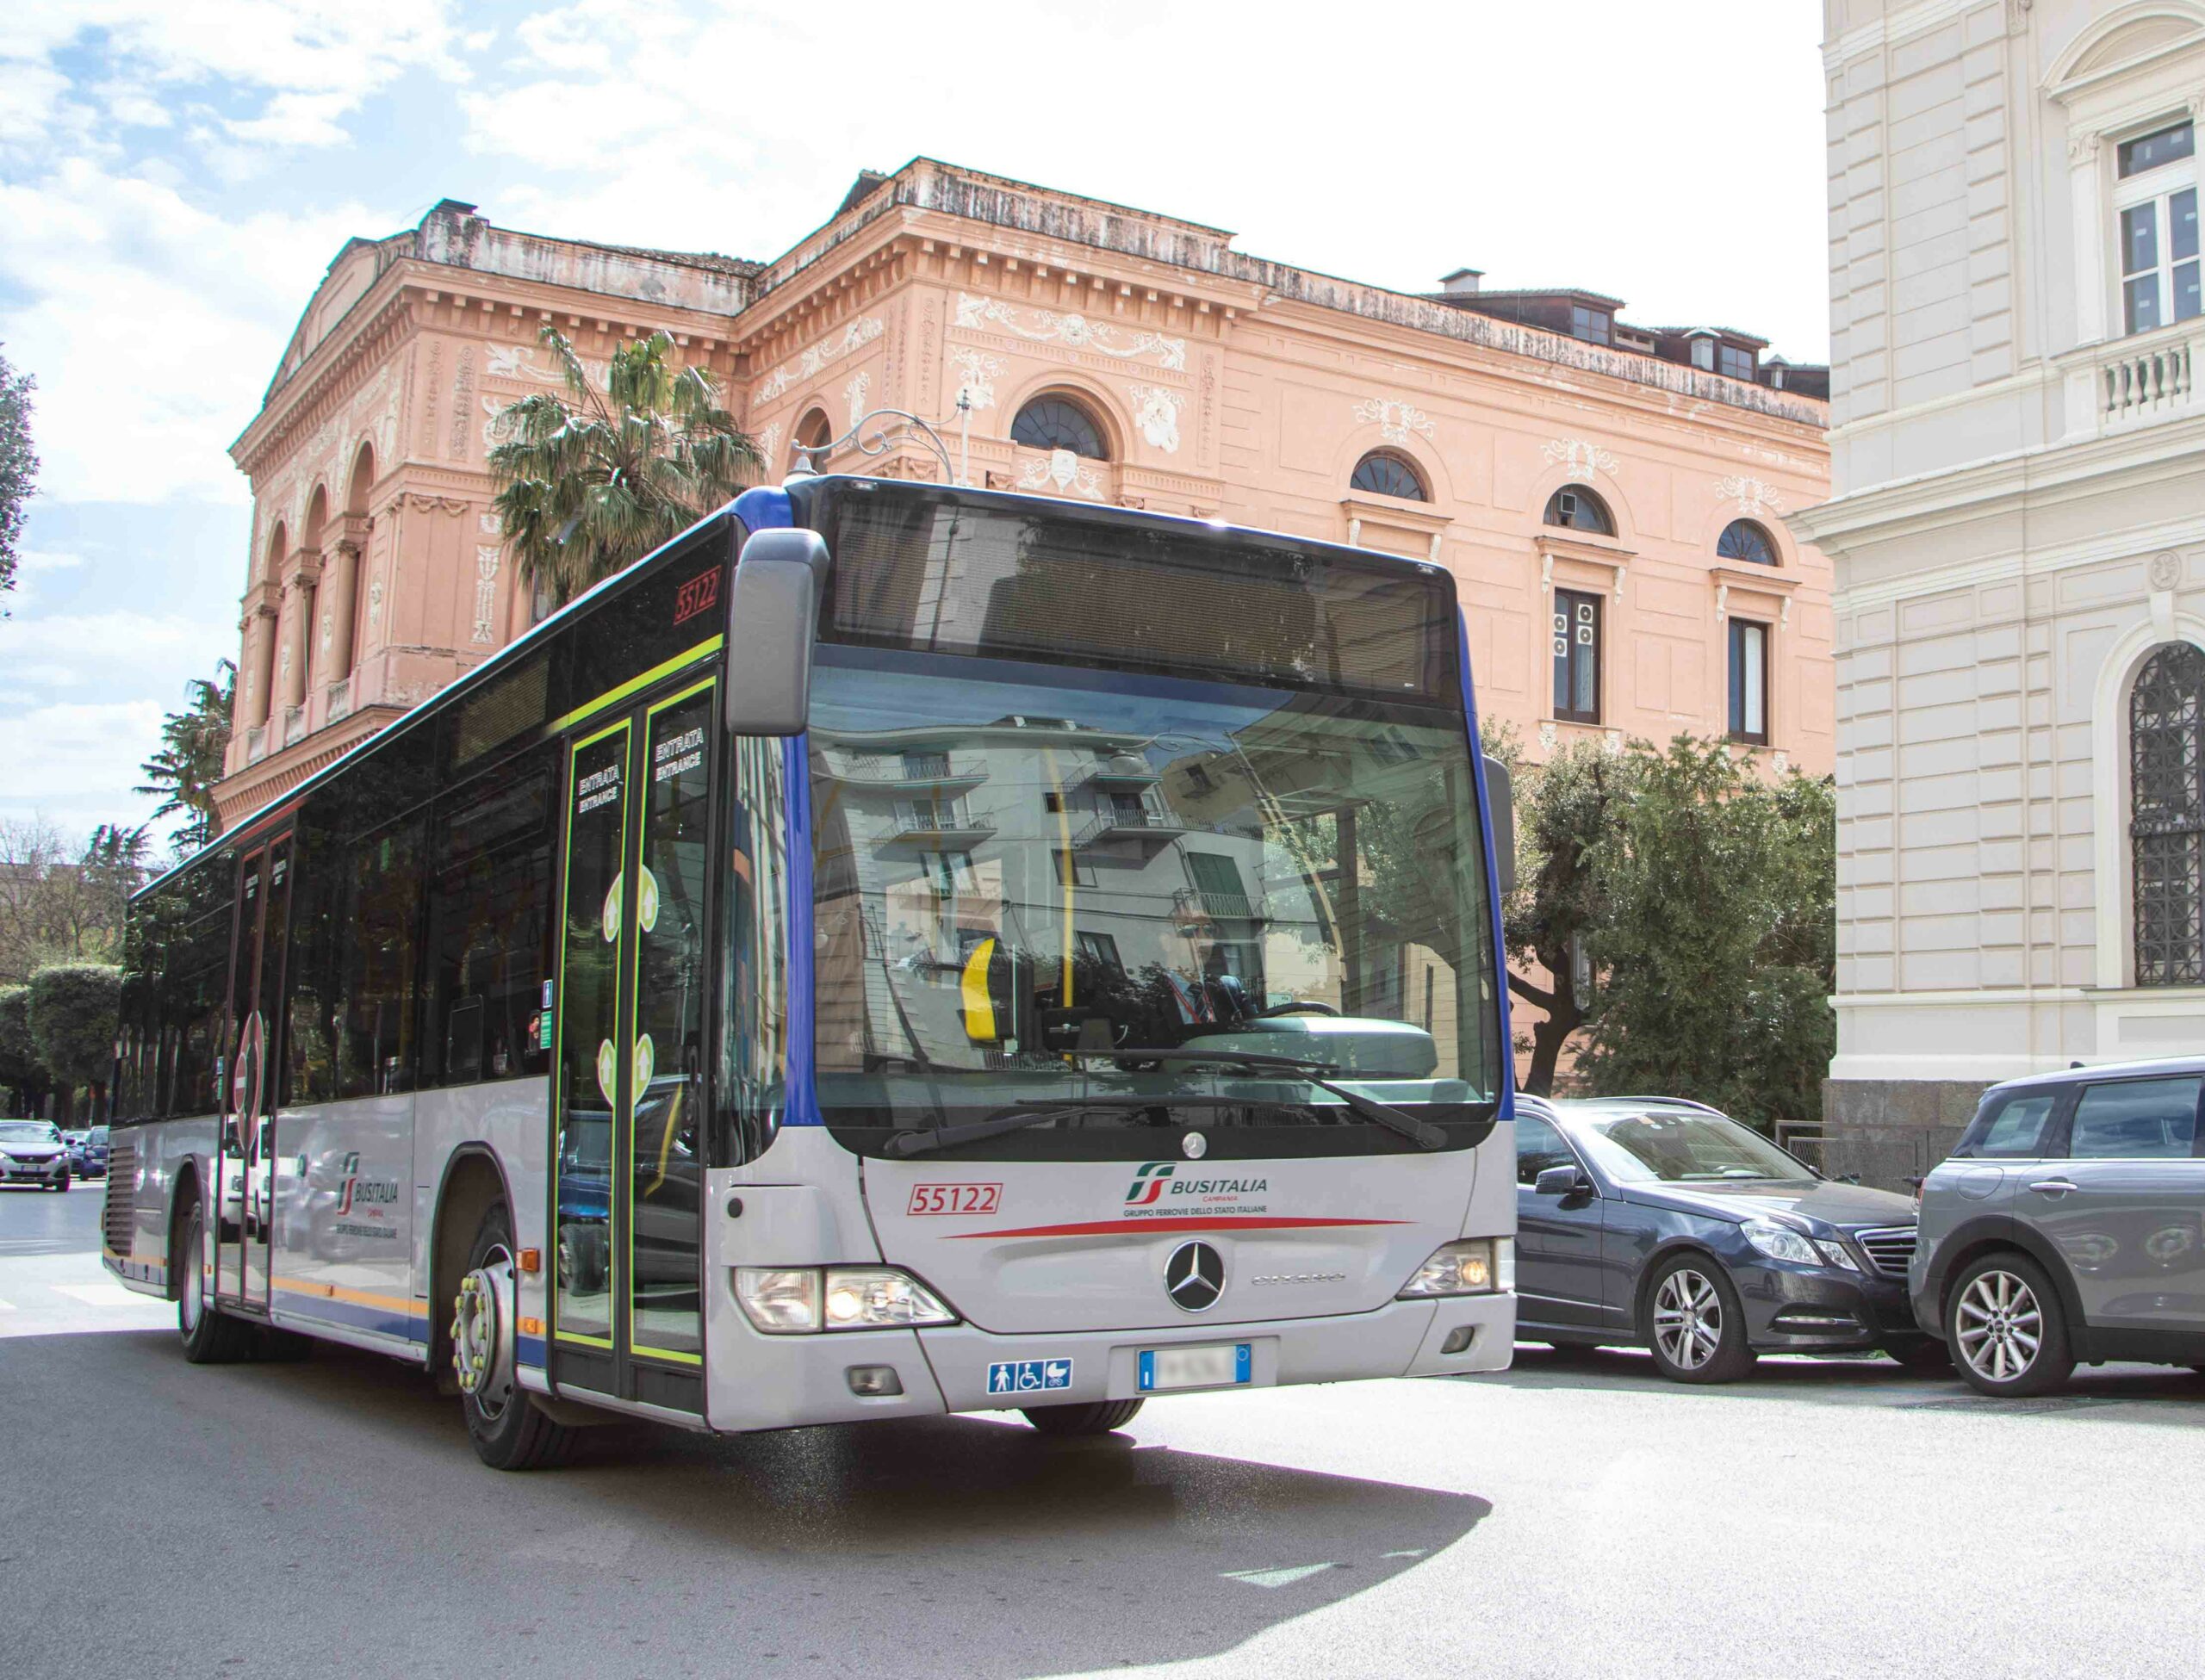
<point x="1192" y="1222"/>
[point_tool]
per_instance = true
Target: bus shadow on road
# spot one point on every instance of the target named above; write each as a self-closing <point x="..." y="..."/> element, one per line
<point x="2147" y="1393"/>
<point x="839" y="1543"/>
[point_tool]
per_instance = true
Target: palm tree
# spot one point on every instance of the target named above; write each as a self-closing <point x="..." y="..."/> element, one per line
<point x="591" y="480"/>
<point x="182" y="774"/>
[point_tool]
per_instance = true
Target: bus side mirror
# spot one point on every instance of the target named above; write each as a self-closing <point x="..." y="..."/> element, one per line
<point x="1500" y="801"/>
<point x="772" y="618"/>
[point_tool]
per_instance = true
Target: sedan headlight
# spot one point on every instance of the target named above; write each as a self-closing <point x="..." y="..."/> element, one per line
<point x="1782" y="1242"/>
<point x="791" y="1301"/>
<point x="1835" y="1253"/>
<point x="1475" y="1266"/>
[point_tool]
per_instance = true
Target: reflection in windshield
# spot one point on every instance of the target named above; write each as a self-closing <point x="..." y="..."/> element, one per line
<point x="1010" y="867"/>
<point x="1686" y="1147"/>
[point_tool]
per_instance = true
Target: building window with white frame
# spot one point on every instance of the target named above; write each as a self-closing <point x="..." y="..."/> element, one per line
<point x="1750" y="682"/>
<point x="1577" y="657"/>
<point x="2155" y="206"/>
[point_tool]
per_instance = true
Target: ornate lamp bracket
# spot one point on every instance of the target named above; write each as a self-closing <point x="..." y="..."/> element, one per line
<point x="875" y="434"/>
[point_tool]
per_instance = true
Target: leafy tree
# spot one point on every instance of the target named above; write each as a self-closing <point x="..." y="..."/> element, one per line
<point x="20" y="1071"/>
<point x="1716" y="943"/>
<point x="75" y="1008"/>
<point x="18" y="467"/>
<point x="1565" y="808"/>
<point x="592" y="480"/>
<point x="60" y="903"/>
<point x="182" y="774"/>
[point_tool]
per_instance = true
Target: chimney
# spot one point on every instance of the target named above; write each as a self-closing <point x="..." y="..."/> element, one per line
<point x="1463" y="282"/>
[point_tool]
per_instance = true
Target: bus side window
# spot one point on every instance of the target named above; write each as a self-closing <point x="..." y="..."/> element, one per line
<point x="754" y="1020"/>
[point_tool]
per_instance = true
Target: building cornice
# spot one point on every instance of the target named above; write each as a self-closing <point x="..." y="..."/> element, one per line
<point x="2047" y="473"/>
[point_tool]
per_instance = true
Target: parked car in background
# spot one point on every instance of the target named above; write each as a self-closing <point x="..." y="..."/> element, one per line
<point x="1664" y="1223"/>
<point x="96" y="1152"/>
<point x="32" y="1152"/>
<point x="2068" y="1225"/>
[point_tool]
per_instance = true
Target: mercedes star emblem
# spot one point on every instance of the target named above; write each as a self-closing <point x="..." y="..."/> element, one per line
<point x="1194" y="1277"/>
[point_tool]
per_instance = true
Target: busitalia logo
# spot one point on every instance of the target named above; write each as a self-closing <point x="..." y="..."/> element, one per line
<point x="357" y="1190"/>
<point x="1149" y="1180"/>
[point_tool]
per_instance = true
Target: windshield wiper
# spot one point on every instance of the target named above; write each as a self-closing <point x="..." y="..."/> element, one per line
<point x="1422" y="1133"/>
<point x="904" y="1144"/>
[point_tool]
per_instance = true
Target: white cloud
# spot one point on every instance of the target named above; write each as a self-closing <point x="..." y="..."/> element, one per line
<point x="74" y="762"/>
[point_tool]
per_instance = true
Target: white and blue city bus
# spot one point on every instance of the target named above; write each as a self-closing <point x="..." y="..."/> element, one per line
<point x="895" y="949"/>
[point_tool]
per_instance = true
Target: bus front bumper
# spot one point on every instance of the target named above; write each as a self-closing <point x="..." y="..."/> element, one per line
<point x="1401" y="1339"/>
<point x="767" y="1382"/>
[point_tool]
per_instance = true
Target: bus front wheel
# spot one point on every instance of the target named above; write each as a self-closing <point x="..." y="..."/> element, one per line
<point x="210" y="1337"/>
<point x="508" y="1429"/>
<point x="1097" y="1417"/>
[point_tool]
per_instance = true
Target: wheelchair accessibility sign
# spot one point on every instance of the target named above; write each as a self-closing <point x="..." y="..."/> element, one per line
<point x="1030" y="1376"/>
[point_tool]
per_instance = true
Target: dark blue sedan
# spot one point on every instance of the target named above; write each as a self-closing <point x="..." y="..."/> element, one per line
<point x="1663" y="1223"/>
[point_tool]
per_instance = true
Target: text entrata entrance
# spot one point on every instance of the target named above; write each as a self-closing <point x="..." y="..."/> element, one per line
<point x="628" y="1079"/>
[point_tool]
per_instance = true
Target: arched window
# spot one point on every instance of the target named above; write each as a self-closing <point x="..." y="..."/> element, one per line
<point x="1059" y="423"/>
<point x="1743" y="540"/>
<point x="815" y="430"/>
<point x="1383" y="473"/>
<point x="1576" y="508"/>
<point x="2167" y="824"/>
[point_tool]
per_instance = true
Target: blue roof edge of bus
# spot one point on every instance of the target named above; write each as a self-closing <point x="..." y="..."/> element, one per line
<point x="766" y="507"/>
<point x="1506" y="1110"/>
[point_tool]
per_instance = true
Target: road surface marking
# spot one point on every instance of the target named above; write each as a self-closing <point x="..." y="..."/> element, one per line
<point x="1278" y="1577"/>
<point x="96" y="1294"/>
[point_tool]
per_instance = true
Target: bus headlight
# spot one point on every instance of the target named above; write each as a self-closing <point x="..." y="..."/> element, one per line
<point x="791" y="1302"/>
<point x="1475" y="1266"/>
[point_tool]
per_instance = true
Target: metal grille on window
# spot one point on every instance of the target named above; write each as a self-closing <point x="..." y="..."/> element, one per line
<point x="1386" y="475"/>
<point x="2166" y="829"/>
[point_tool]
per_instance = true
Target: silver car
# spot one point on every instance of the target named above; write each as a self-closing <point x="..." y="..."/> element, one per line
<point x="32" y="1152"/>
<point x="2069" y="1226"/>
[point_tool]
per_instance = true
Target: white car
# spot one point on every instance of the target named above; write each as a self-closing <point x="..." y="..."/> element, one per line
<point x="32" y="1152"/>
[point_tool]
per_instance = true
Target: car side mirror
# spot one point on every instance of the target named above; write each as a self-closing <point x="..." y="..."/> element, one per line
<point x="1563" y="1181"/>
<point x="1500" y="805"/>
<point x="772" y="619"/>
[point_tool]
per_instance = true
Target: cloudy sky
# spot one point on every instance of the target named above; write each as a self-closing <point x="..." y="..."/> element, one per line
<point x="176" y="176"/>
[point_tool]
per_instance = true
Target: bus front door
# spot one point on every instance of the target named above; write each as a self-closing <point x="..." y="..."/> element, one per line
<point x="628" y="1077"/>
<point x="246" y="1147"/>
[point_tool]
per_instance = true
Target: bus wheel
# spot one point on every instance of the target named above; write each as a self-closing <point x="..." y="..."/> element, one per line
<point x="209" y="1337"/>
<point x="508" y="1431"/>
<point x="1097" y="1417"/>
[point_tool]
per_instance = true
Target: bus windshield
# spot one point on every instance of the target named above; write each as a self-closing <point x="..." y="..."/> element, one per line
<point x="1022" y="872"/>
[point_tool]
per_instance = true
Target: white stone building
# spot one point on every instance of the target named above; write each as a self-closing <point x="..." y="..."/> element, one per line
<point x="2017" y="524"/>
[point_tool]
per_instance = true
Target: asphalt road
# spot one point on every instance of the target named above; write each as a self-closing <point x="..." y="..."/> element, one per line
<point x="326" y="1516"/>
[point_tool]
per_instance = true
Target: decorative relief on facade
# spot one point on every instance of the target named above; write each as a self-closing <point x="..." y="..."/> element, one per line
<point x="1063" y="470"/>
<point x="283" y="664"/>
<point x="1156" y="411"/>
<point x="497" y="428"/>
<point x="856" y="336"/>
<point x="1577" y="457"/>
<point x="2165" y="571"/>
<point x="769" y="447"/>
<point x="1048" y="326"/>
<point x="375" y="604"/>
<point x="486" y="589"/>
<point x="328" y="627"/>
<point x="433" y="383"/>
<point x="976" y="378"/>
<point x="1548" y="734"/>
<point x="1395" y="419"/>
<point x="1752" y="495"/>
<point x="518" y="363"/>
<point x="463" y="399"/>
<point x="855" y="394"/>
<point x="487" y="524"/>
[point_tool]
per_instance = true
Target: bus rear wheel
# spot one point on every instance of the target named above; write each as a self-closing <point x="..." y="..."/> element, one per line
<point x="508" y="1431"/>
<point x="1095" y="1418"/>
<point x="210" y="1337"/>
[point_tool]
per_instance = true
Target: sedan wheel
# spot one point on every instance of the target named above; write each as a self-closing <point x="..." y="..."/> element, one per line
<point x="1695" y="1325"/>
<point x="2005" y="1324"/>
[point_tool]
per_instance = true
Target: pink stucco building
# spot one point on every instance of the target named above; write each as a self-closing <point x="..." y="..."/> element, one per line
<point x="1609" y="497"/>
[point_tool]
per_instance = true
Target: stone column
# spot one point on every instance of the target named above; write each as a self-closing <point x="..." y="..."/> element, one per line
<point x="259" y="672"/>
<point x="339" y="596"/>
<point x="296" y="658"/>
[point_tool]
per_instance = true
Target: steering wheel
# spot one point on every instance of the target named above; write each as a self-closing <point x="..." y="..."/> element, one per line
<point x="1297" y="1007"/>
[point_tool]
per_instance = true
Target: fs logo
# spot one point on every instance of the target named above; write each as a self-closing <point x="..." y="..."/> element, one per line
<point x="1149" y="1180"/>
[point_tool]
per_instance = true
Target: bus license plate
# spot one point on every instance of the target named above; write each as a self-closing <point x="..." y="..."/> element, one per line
<point x="1221" y="1366"/>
